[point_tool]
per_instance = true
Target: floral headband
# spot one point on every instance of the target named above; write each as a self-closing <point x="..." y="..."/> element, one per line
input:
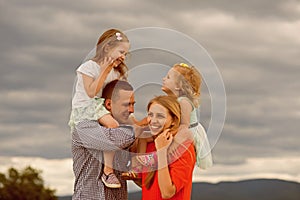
<point x="119" y="37"/>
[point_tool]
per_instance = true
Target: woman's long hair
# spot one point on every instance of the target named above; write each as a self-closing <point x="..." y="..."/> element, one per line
<point x="173" y="107"/>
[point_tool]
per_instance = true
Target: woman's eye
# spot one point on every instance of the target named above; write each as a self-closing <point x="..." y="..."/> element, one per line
<point x="160" y="116"/>
<point x="150" y="115"/>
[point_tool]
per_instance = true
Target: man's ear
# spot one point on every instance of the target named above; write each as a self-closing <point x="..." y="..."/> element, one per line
<point x="108" y="104"/>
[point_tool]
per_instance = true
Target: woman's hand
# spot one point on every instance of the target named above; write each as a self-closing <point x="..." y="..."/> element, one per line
<point x="166" y="186"/>
<point x="163" y="140"/>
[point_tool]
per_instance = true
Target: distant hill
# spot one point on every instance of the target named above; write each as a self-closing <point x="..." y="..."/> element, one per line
<point x="259" y="189"/>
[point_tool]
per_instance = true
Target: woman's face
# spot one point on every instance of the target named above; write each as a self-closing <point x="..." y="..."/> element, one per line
<point x="158" y="118"/>
<point x="118" y="54"/>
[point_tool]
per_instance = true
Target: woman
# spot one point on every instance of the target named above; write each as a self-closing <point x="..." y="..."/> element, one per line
<point x="172" y="176"/>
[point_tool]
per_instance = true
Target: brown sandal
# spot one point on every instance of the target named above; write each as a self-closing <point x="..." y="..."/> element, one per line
<point x="129" y="176"/>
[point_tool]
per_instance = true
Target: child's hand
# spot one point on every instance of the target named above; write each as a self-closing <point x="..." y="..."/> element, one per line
<point x="143" y="122"/>
<point x="106" y="62"/>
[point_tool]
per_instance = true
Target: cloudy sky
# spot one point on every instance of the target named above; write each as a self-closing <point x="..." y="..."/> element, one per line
<point x="254" y="44"/>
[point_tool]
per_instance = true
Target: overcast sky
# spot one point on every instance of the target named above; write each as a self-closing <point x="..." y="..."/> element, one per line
<point x="255" y="45"/>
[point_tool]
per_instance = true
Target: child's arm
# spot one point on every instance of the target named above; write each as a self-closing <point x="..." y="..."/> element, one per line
<point x="108" y="121"/>
<point x="91" y="86"/>
<point x="142" y="138"/>
<point x="186" y="109"/>
<point x="140" y="123"/>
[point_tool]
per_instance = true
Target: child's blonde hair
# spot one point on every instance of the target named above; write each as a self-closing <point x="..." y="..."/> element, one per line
<point x="111" y="38"/>
<point x="189" y="81"/>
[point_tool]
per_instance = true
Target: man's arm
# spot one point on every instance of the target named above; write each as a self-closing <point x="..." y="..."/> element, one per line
<point x="92" y="136"/>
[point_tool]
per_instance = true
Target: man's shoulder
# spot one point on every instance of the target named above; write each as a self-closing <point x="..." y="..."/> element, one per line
<point x="126" y="126"/>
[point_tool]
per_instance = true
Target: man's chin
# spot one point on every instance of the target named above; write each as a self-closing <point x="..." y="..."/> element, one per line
<point x="124" y="120"/>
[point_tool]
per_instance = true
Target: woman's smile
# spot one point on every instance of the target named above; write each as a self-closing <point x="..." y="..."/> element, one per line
<point x="158" y="118"/>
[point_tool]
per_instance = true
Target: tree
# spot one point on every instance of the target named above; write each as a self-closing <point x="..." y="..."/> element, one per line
<point x="26" y="184"/>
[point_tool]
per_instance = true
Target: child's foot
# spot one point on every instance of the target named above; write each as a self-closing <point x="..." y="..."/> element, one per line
<point x="110" y="180"/>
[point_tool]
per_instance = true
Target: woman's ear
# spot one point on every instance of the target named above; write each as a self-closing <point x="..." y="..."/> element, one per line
<point x="171" y="127"/>
<point x="174" y="126"/>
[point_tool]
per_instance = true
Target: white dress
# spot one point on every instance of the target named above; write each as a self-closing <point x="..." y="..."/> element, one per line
<point x="202" y="146"/>
<point x="84" y="107"/>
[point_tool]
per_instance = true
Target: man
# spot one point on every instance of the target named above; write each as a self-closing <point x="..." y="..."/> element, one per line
<point x="88" y="143"/>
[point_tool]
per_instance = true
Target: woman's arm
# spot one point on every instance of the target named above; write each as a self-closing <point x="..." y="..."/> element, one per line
<point x="166" y="186"/>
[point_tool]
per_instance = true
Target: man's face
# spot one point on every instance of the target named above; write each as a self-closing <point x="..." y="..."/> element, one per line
<point x="122" y="106"/>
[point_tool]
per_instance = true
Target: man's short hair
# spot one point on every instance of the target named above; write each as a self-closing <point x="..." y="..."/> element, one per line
<point x="111" y="90"/>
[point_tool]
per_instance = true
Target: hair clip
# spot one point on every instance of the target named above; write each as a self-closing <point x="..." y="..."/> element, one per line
<point x="184" y="65"/>
<point x="119" y="37"/>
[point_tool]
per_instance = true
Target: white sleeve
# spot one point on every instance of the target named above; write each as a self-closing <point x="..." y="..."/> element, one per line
<point x="89" y="68"/>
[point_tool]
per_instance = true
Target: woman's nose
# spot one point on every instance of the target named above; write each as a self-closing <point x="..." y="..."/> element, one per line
<point x="153" y="119"/>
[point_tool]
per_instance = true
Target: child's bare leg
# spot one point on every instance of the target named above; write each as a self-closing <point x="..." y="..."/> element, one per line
<point x="108" y="162"/>
<point x="108" y="121"/>
<point x="108" y="177"/>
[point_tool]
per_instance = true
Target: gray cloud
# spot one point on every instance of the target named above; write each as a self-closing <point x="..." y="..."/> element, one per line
<point x="255" y="45"/>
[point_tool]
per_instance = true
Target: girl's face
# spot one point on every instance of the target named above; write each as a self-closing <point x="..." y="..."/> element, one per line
<point x="158" y="118"/>
<point x="118" y="54"/>
<point x="170" y="85"/>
